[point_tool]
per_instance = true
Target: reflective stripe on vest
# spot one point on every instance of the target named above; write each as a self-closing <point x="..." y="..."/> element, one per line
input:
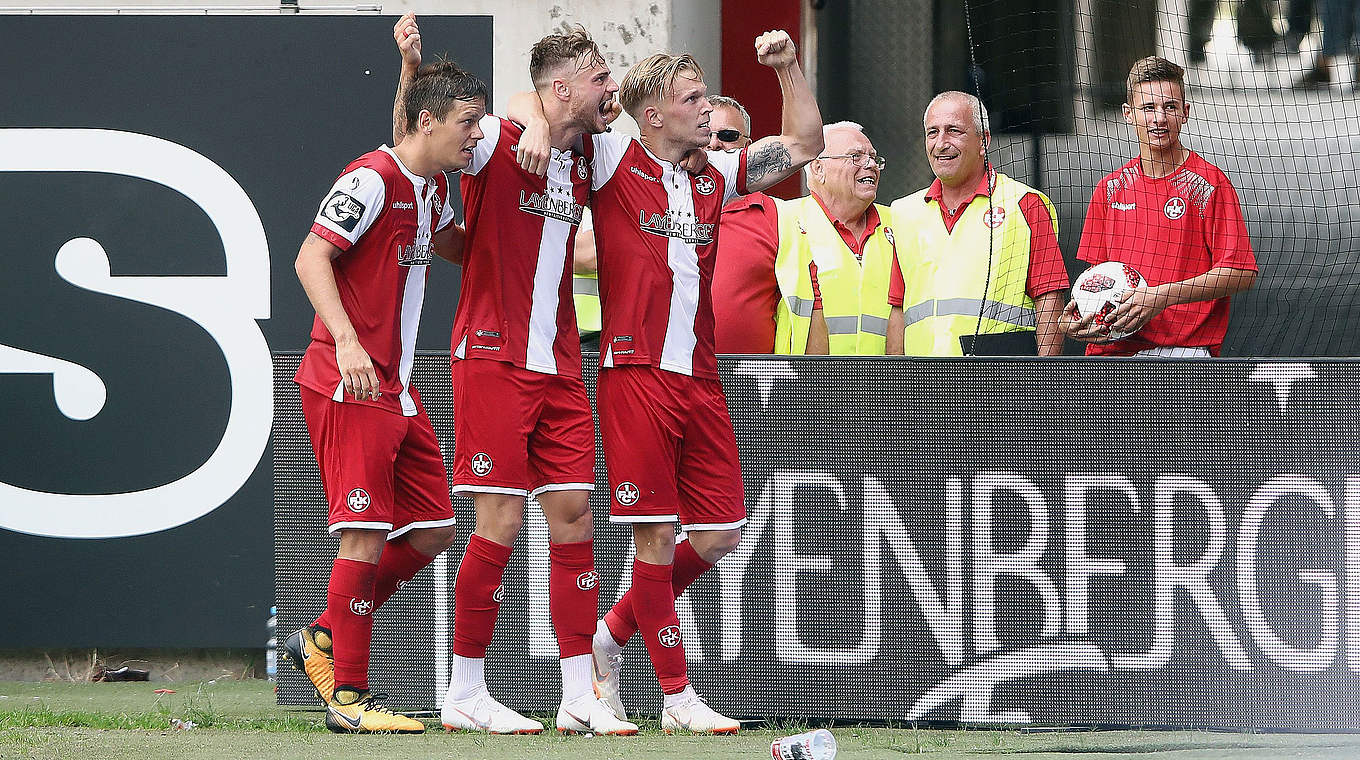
<point x="585" y="295"/>
<point x="854" y="293"/>
<point x="945" y="272"/>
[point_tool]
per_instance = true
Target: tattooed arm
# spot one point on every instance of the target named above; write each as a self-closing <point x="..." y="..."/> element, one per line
<point x="407" y="35"/>
<point x="800" y="140"/>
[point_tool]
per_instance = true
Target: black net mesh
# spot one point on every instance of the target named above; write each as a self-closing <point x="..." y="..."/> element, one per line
<point x="1270" y="86"/>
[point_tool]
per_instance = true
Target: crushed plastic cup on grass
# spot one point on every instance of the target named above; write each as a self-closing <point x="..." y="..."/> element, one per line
<point x="182" y="725"/>
<point x="813" y="745"/>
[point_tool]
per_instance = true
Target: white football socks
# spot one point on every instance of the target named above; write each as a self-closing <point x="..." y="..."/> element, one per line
<point x="468" y="678"/>
<point x="576" y="682"/>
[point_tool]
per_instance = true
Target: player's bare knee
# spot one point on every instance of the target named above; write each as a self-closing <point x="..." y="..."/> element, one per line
<point x="432" y="541"/>
<point x="568" y="516"/>
<point x="713" y="545"/>
<point x="655" y="542"/>
<point x="362" y="545"/>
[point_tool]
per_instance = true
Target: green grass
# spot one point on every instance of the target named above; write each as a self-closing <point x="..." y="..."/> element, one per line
<point x="238" y="720"/>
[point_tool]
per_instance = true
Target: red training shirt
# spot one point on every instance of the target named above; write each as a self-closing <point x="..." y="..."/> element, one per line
<point x="1169" y="229"/>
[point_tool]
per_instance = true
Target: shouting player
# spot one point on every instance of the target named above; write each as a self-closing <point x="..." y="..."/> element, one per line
<point x="363" y="267"/>
<point x="1175" y="218"/>
<point x="522" y="423"/>
<point x="668" y="439"/>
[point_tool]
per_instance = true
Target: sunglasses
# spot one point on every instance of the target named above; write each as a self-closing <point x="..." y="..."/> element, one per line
<point x="729" y="135"/>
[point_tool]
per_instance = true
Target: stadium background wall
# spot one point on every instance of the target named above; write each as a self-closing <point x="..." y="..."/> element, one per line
<point x="944" y="540"/>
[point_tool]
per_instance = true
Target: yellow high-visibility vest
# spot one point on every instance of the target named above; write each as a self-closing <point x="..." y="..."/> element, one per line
<point x="945" y="273"/>
<point x="585" y="294"/>
<point x="854" y="293"/>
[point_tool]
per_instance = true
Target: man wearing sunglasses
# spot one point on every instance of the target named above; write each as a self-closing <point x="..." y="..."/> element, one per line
<point x="745" y="293"/>
<point x="836" y="251"/>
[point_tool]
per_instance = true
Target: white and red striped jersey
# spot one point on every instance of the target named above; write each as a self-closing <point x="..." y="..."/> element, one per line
<point x="381" y="216"/>
<point x="656" y="229"/>
<point x="516" y="300"/>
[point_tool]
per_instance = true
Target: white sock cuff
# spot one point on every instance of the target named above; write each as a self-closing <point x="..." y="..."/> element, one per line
<point x="576" y="682"/>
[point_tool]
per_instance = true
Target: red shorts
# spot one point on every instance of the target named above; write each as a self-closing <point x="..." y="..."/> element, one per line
<point x="516" y="431"/>
<point x="380" y="470"/>
<point x="669" y="449"/>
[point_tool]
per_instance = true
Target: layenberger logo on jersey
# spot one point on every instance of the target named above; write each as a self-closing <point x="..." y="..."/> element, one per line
<point x="687" y="228"/>
<point x="544" y="204"/>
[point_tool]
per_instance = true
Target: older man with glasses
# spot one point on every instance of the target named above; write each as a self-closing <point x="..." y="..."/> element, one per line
<point x="836" y="252"/>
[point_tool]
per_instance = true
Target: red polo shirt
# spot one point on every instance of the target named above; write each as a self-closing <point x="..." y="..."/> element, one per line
<point x="745" y="293"/>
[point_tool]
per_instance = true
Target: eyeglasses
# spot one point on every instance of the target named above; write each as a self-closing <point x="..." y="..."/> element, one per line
<point x="729" y="135"/>
<point x="861" y="159"/>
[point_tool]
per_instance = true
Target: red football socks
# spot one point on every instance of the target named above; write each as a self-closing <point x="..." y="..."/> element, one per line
<point x="476" y="596"/>
<point x="349" y="602"/>
<point x="654" y="609"/>
<point x="400" y="562"/>
<point x="687" y="568"/>
<point x="573" y="596"/>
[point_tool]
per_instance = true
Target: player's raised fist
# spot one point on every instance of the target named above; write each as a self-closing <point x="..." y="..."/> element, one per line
<point x="776" y="49"/>
<point x="407" y="35"/>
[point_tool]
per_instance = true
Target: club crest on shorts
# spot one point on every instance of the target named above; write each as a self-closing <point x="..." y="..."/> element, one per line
<point x="358" y="500"/>
<point x="627" y="494"/>
<point x="499" y="595"/>
<point x="994" y="217"/>
<point x="669" y="636"/>
<point x="704" y="185"/>
<point x="587" y="580"/>
<point x="481" y="464"/>
<point x="1174" y="208"/>
<point x="361" y="606"/>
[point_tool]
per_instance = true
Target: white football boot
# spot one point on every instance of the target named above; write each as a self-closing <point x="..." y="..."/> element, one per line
<point x="687" y="712"/>
<point x="605" y="673"/>
<point x="592" y="715"/>
<point x="481" y="712"/>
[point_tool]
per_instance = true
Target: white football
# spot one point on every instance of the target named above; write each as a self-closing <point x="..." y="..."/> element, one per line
<point x="1097" y="289"/>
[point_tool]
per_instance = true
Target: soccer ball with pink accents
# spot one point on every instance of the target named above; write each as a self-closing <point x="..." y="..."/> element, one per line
<point x="1096" y="291"/>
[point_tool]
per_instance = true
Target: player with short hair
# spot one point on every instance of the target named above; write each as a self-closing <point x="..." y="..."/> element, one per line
<point x="363" y="266"/>
<point x="522" y="423"/>
<point x="1175" y="218"/>
<point x="663" y="416"/>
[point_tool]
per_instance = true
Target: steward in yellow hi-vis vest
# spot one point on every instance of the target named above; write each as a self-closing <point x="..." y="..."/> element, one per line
<point x="585" y="291"/>
<point x="854" y="291"/>
<point x="1006" y="244"/>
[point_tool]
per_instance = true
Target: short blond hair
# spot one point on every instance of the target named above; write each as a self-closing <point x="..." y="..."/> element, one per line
<point x="654" y="77"/>
<point x="571" y="46"/>
<point x="1154" y="69"/>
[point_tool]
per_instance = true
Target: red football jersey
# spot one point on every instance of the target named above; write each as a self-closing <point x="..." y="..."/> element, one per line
<point x="1169" y="229"/>
<point x="656" y="227"/>
<point x="515" y="304"/>
<point x="382" y="216"/>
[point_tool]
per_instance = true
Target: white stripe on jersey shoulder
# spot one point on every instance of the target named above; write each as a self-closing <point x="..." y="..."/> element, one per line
<point x="492" y="126"/>
<point x="608" y="149"/>
<point x="728" y="164"/>
<point x="417" y="181"/>
<point x="353" y="203"/>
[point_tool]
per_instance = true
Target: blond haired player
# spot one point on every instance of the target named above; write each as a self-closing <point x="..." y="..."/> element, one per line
<point x="663" y="416"/>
